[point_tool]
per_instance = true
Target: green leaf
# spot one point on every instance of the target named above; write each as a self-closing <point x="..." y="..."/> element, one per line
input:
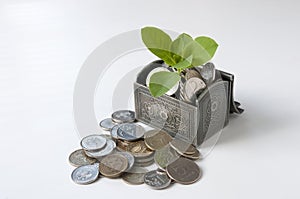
<point x="208" y="44"/>
<point x="162" y="82"/>
<point x="186" y="63"/>
<point x="200" y="54"/>
<point x="179" y="44"/>
<point x="159" y="43"/>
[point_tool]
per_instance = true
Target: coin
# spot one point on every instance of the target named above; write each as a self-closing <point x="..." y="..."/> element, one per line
<point x="93" y="142"/>
<point x="113" y="165"/>
<point x="107" y="124"/>
<point x="162" y="69"/>
<point x="130" y="159"/>
<point x="195" y="156"/>
<point x="114" y="132"/>
<point x="135" y="176"/>
<point x="157" y="179"/>
<point x="184" y="171"/>
<point x="85" y="174"/>
<point x="156" y="139"/>
<point x="183" y="147"/>
<point x="165" y="156"/>
<point x="192" y="87"/>
<point x="78" y="158"/>
<point x="192" y="73"/>
<point x="110" y="145"/>
<point x="123" y="116"/>
<point x="130" y="131"/>
<point x="144" y="164"/>
<point x="139" y="149"/>
<point x="208" y="72"/>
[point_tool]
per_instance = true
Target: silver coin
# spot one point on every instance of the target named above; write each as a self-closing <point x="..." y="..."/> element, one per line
<point x="130" y="159"/>
<point x="114" y="132"/>
<point x="135" y="176"/>
<point x="157" y="179"/>
<point x="107" y="124"/>
<point x="208" y="72"/>
<point x="130" y="131"/>
<point x="123" y="116"/>
<point x="85" y="174"/>
<point x="165" y="156"/>
<point x="144" y="164"/>
<point x="162" y="69"/>
<point x="93" y="142"/>
<point x="78" y="158"/>
<point x="192" y="87"/>
<point x="110" y="145"/>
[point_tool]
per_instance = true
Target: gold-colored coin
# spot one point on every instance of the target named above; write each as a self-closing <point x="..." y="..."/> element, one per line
<point x="136" y="148"/>
<point x="183" y="147"/>
<point x="113" y="165"/>
<point x="157" y="139"/>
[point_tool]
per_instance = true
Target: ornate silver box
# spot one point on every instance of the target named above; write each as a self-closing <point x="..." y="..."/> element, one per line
<point x="193" y="122"/>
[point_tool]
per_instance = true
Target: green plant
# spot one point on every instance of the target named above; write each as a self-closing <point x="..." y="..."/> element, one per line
<point x="182" y="53"/>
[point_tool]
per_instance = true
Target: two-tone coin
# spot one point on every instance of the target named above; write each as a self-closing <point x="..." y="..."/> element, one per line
<point x="123" y="116"/>
<point x="135" y="176"/>
<point x="79" y="158"/>
<point x="107" y="124"/>
<point x="157" y="179"/>
<point x="85" y="174"/>
<point x="156" y="139"/>
<point x="110" y="145"/>
<point x="184" y="171"/>
<point x="130" y="131"/>
<point x="113" y="165"/>
<point x="93" y="142"/>
<point x="165" y="156"/>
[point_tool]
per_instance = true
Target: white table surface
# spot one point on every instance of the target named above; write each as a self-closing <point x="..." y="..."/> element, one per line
<point x="44" y="43"/>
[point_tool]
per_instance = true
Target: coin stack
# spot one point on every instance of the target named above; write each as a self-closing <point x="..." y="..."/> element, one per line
<point x="127" y="152"/>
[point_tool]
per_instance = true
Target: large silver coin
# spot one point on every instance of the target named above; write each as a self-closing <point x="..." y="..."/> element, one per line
<point x="130" y="131"/>
<point x="110" y="145"/>
<point x="157" y="179"/>
<point x="85" y="174"/>
<point x="192" y="87"/>
<point x="165" y="156"/>
<point x="162" y="69"/>
<point x="78" y="158"/>
<point x="135" y="176"/>
<point x="107" y="124"/>
<point x="208" y="72"/>
<point x="130" y="159"/>
<point x="93" y="142"/>
<point x="123" y="116"/>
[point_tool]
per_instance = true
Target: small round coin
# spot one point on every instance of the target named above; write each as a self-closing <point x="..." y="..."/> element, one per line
<point x="130" y="132"/>
<point x="107" y="124"/>
<point x="85" y="174"/>
<point x="183" y="147"/>
<point x="130" y="159"/>
<point x="113" y="165"/>
<point x="123" y="116"/>
<point x="165" y="156"/>
<point x="93" y="142"/>
<point x="135" y="176"/>
<point x="110" y="145"/>
<point x="195" y="156"/>
<point x="78" y="158"/>
<point x="156" y="139"/>
<point x="157" y="179"/>
<point x="184" y="171"/>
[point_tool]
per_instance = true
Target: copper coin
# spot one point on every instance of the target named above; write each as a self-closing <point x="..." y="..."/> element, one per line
<point x="184" y="171"/>
<point x="156" y="139"/>
<point x="113" y="165"/>
<point x="183" y="147"/>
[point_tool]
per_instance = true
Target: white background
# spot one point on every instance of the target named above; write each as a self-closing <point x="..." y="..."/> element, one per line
<point x="44" y="43"/>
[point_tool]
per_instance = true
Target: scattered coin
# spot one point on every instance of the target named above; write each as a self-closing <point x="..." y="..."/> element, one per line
<point x="184" y="171"/>
<point x="165" y="156"/>
<point x="139" y="149"/>
<point x="78" y="158"/>
<point x="114" y="132"/>
<point x="135" y="176"/>
<point x="195" y="156"/>
<point x="183" y="147"/>
<point x="130" y="131"/>
<point x="110" y="145"/>
<point x="93" y="142"/>
<point x="130" y="159"/>
<point x="156" y="139"/>
<point x="157" y="179"/>
<point x="113" y="165"/>
<point x="208" y="72"/>
<point x="161" y="69"/>
<point x="144" y="164"/>
<point x="107" y="124"/>
<point x="85" y="174"/>
<point x="123" y="116"/>
<point x="192" y="87"/>
<point x="192" y="73"/>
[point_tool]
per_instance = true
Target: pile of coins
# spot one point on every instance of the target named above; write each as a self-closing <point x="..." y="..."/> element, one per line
<point x="129" y="150"/>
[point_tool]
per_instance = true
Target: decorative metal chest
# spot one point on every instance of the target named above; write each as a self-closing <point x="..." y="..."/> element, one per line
<point x="192" y="122"/>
